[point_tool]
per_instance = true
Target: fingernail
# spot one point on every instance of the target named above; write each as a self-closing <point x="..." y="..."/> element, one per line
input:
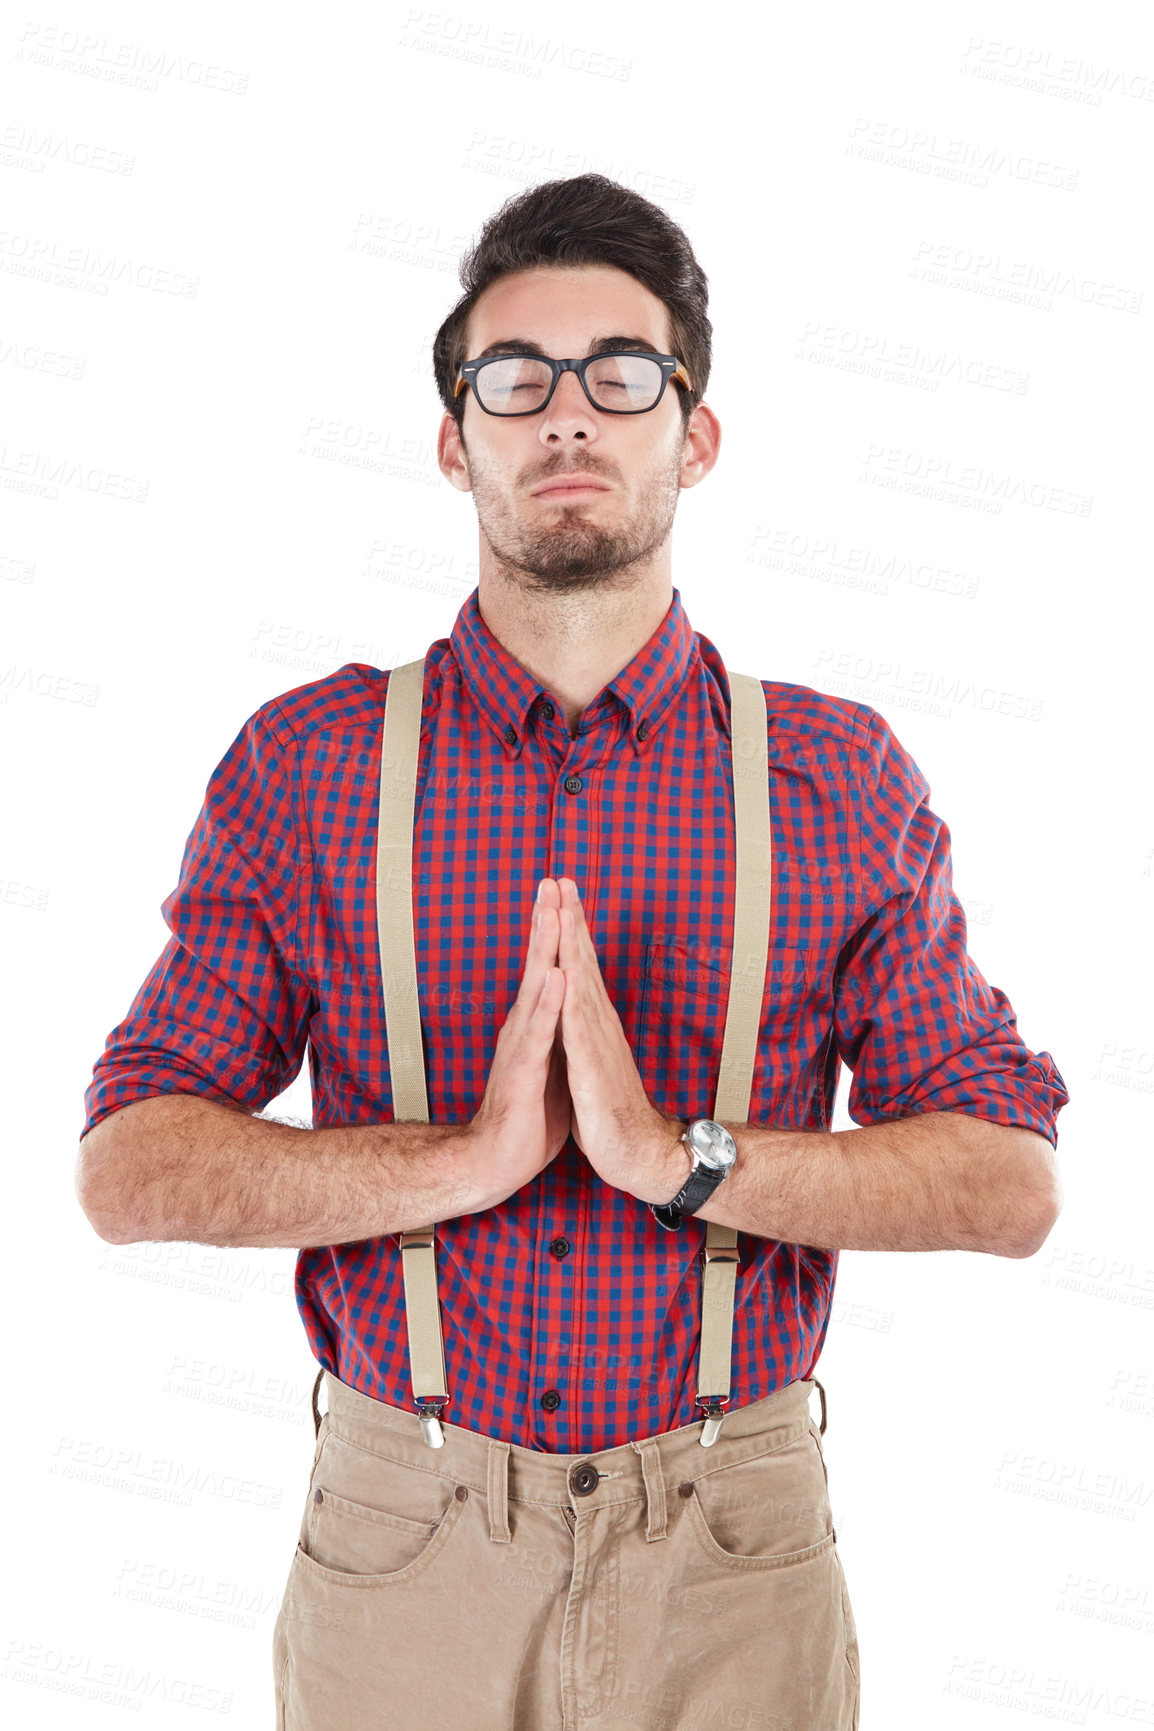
<point x="540" y="889"/>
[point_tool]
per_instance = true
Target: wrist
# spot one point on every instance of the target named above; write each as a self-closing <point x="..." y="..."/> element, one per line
<point x="712" y="1153"/>
<point x="468" y="1170"/>
<point x="673" y="1164"/>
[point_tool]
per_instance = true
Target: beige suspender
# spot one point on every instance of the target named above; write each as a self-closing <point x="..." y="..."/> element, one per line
<point x="400" y="742"/>
<point x="399" y="751"/>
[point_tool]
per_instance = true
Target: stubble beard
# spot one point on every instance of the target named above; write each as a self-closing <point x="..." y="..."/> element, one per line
<point x="569" y="550"/>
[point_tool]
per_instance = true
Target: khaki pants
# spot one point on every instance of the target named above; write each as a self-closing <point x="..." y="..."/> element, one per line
<point x="658" y="1585"/>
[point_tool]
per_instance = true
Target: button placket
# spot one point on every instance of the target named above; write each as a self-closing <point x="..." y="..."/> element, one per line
<point x="571" y="845"/>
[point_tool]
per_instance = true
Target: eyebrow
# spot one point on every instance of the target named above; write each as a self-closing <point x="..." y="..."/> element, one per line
<point x="599" y="346"/>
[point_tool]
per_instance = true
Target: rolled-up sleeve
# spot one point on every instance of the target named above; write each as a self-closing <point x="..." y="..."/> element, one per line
<point x="915" y="1020"/>
<point x="224" y="1012"/>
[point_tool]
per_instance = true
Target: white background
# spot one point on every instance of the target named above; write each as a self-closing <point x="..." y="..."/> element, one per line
<point x="228" y="237"/>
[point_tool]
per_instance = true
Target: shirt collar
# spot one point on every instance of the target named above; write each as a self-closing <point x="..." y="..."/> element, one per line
<point x="505" y="692"/>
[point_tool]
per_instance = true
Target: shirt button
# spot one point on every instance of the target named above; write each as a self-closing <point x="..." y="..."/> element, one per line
<point x="510" y="736"/>
<point x="642" y="729"/>
<point x="560" y="1247"/>
<point x="548" y="711"/>
<point x="583" y="1479"/>
<point x="550" y="1400"/>
<point x="573" y="784"/>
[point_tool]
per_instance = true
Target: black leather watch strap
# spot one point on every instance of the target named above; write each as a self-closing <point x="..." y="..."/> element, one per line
<point x="697" y="1189"/>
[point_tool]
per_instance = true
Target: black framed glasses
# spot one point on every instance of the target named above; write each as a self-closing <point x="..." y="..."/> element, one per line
<point x="629" y="382"/>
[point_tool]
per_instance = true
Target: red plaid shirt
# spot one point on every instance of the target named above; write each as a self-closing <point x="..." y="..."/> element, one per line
<point x="570" y="1288"/>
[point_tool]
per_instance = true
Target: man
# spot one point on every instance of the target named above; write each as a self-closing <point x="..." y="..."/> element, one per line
<point x="531" y="1504"/>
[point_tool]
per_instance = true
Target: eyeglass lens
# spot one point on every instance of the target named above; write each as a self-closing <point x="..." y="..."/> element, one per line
<point x="520" y="383"/>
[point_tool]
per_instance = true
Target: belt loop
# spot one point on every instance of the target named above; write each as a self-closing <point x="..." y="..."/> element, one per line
<point x="316" y="1408"/>
<point x="654" y="1487"/>
<point x="499" y="1490"/>
<point x="821" y="1391"/>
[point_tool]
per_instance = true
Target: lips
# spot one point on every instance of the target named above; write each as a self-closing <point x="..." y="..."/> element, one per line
<point x="570" y="487"/>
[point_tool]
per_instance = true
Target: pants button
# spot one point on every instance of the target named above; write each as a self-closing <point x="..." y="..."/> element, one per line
<point x="584" y="1478"/>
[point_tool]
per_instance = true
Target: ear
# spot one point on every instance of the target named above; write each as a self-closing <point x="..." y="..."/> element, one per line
<point x="452" y="458"/>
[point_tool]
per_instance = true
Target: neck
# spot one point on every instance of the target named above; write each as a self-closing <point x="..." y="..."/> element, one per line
<point x="574" y="644"/>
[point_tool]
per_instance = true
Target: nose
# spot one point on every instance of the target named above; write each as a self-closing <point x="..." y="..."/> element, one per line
<point x="570" y="411"/>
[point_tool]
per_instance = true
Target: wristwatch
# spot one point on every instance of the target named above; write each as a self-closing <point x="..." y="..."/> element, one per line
<point x="713" y="1151"/>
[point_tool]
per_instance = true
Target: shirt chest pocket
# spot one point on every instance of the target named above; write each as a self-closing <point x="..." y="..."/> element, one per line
<point x="682" y="1010"/>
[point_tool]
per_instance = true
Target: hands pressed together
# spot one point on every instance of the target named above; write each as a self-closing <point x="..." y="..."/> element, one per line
<point x="562" y="1064"/>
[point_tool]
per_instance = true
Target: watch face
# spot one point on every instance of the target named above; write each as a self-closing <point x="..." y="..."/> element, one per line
<point x="713" y="1145"/>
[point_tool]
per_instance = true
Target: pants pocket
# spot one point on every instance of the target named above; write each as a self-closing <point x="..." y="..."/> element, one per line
<point x="369" y="1518"/>
<point x="770" y="1511"/>
<point x="751" y="1597"/>
<point x="375" y="1593"/>
<point x="353" y="1539"/>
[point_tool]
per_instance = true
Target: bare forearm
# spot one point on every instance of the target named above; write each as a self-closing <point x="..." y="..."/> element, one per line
<point x="180" y="1167"/>
<point x="941" y="1181"/>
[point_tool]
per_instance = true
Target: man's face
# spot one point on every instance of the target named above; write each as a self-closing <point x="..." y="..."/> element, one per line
<point x="559" y="541"/>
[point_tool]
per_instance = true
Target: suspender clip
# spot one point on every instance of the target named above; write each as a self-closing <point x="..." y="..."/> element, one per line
<point x="714" y="1411"/>
<point x="429" y="1413"/>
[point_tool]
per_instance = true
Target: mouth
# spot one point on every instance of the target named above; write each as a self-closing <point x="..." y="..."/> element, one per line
<point x="569" y="492"/>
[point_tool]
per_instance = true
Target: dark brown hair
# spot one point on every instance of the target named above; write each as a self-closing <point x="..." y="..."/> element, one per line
<point x="588" y="219"/>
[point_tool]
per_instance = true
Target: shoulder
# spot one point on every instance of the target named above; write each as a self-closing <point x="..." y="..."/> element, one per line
<point x="802" y="716"/>
<point x="808" y="728"/>
<point x="796" y="715"/>
<point x="348" y="702"/>
<point x="801" y="712"/>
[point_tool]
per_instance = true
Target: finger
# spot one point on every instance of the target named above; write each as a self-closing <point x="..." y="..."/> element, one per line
<point x="531" y="1051"/>
<point x="576" y="921"/>
<point x="548" y="896"/>
<point x="570" y="957"/>
<point x="548" y="935"/>
<point x="543" y="935"/>
<point x="575" y="952"/>
<point x="540" y="958"/>
<point x="546" y="1017"/>
<point x="586" y="964"/>
<point x="542" y="951"/>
